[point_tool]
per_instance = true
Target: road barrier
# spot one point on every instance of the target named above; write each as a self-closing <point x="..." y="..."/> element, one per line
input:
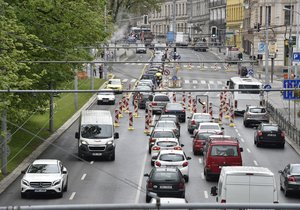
<point x="117" y="120"/>
<point x="210" y="109"/>
<point x="174" y="97"/>
<point x="147" y="125"/>
<point x="220" y="115"/>
<point x="120" y="108"/>
<point x="194" y="106"/>
<point x="190" y="101"/>
<point x="130" y="117"/>
<point x="227" y="110"/>
<point x="127" y="104"/>
<point x="136" y="108"/>
<point x="231" y="116"/>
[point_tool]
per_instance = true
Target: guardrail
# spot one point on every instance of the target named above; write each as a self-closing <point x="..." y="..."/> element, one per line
<point x="290" y="129"/>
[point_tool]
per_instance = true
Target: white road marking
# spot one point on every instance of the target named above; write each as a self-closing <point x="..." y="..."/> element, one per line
<point x="203" y="82"/>
<point x="205" y="194"/>
<point x="124" y="80"/>
<point x="195" y="81"/>
<point x="83" y="176"/>
<point x="138" y="192"/>
<point x="248" y="150"/>
<point x="194" y="86"/>
<point x="92" y="162"/>
<point x="202" y="175"/>
<point x="200" y="160"/>
<point x="72" y="196"/>
<point x="236" y="130"/>
<point x="255" y="163"/>
<point x="211" y="82"/>
<point x="187" y="81"/>
<point x="242" y="140"/>
<point x="238" y="134"/>
<point x="219" y="82"/>
<point x="133" y="80"/>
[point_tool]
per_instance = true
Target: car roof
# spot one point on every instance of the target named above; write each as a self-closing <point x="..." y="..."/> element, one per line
<point x="45" y="161"/>
<point x="208" y="123"/>
<point x="171" y="152"/>
<point x="200" y="113"/>
<point x="166" y="169"/>
<point x="224" y="142"/>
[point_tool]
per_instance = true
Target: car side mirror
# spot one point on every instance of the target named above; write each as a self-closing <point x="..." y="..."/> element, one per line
<point x="213" y="191"/>
<point x="222" y="128"/>
<point x="64" y="171"/>
<point x="146" y="175"/>
<point x="189" y="117"/>
<point x="280" y="171"/>
<point x="241" y="149"/>
<point x="116" y="135"/>
<point x="23" y="171"/>
<point x="154" y="158"/>
<point x="182" y="145"/>
<point x="192" y="136"/>
<point x="77" y="135"/>
<point x="188" y="158"/>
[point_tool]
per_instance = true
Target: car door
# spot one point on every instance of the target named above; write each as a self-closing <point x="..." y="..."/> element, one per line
<point x="284" y="175"/>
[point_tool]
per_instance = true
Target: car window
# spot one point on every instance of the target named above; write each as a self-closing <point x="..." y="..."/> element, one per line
<point x="166" y="143"/>
<point x="161" y="98"/>
<point x="203" y="136"/>
<point x="96" y="131"/>
<point x="224" y="150"/>
<point x="171" y="157"/>
<point x="209" y="127"/>
<point x="257" y="110"/>
<point x="163" y="135"/>
<point x="43" y="168"/>
<point x="174" y="106"/>
<point x="165" y="175"/>
<point x="295" y="169"/>
<point x="202" y="117"/>
<point x="165" y="124"/>
<point x="270" y="128"/>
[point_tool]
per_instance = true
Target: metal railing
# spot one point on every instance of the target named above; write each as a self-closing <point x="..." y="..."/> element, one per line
<point x="290" y="129"/>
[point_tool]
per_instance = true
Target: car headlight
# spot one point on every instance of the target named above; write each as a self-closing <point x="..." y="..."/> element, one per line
<point x="25" y="182"/>
<point x="109" y="142"/>
<point x="56" y="182"/>
<point x="83" y="142"/>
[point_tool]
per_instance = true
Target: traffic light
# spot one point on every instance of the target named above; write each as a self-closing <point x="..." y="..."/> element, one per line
<point x="214" y="31"/>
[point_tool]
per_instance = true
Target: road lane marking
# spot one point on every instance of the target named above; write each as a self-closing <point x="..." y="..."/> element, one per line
<point x="255" y="163"/>
<point x="72" y="196"/>
<point x="202" y="175"/>
<point x="187" y="81"/>
<point x="200" y="160"/>
<point x="205" y="194"/>
<point x="238" y="134"/>
<point x="92" y="162"/>
<point x="211" y="82"/>
<point x="236" y="130"/>
<point x="133" y="80"/>
<point x="242" y="140"/>
<point x="195" y="81"/>
<point x="203" y="82"/>
<point x="138" y="193"/>
<point x="124" y="80"/>
<point x="248" y="150"/>
<point x="83" y="176"/>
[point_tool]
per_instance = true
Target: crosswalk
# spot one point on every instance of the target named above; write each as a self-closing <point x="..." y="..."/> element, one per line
<point x="200" y="67"/>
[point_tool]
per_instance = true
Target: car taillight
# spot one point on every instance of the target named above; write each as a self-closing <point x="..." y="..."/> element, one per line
<point x="152" y="139"/>
<point x="259" y="133"/>
<point x="150" y="185"/>
<point x="282" y="134"/>
<point x="157" y="163"/>
<point x="292" y="179"/>
<point x="156" y="148"/>
<point x="185" y="164"/>
<point x="177" y="148"/>
<point x="154" y="104"/>
<point x="193" y="122"/>
<point x="181" y="185"/>
<point x="223" y="201"/>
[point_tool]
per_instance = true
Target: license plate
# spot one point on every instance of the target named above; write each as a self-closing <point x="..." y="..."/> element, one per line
<point x="97" y="154"/>
<point x="105" y="100"/>
<point x="271" y="134"/>
<point x="165" y="187"/>
<point x="40" y="190"/>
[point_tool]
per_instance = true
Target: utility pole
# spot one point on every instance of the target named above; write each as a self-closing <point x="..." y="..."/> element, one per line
<point x="51" y="110"/>
<point x="266" y="47"/>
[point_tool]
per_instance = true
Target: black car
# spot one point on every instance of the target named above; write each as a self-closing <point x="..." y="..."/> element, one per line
<point x="141" y="98"/>
<point x="290" y="179"/>
<point x="268" y="133"/>
<point x="165" y="182"/>
<point x="175" y="109"/>
<point x="170" y="117"/>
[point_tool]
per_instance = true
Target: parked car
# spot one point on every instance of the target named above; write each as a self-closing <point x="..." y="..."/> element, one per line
<point x="157" y="134"/>
<point x="44" y="176"/>
<point x="199" y="141"/>
<point x="218" y="152"/>
<point x="106" y="97"/>
<point x="174" y="158"/>
<point x="254" y="115"/>
<point x="195" y="119"/>
<point x="168" y="125"/>
<point x="164" y="144"/>
<point x="290" y="179"/>
<point x="175" y="109"/>
<point x="268" y="133"/>
<point x="165" y="182"/>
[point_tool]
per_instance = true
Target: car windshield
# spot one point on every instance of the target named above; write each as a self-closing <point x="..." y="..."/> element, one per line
<point x="295" y="169"/>
<point x="96" y="131"/>
<point x="224" y="150"/>
<point x="164" y="134"/>
<point x="171" y="157"/>
<point x="257" y="110"/>
<point x="114" y="82"/>
<point x="174" y="106"/>
<point x="161" y="98"/>
<point x="209" y="127"/>
<point x="204" y="136"/>
<point x="167" y="124"/>
<point x="202" y="117"/>
<point x="43" y="168"/>
<point x="166" y="143"/>
<point x="106" y="93"/>
<point x="270" y="128"/>
<point x="165" y="175"/>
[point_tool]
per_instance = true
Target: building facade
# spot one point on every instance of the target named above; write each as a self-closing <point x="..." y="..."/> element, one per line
<point x="217" y="18"/>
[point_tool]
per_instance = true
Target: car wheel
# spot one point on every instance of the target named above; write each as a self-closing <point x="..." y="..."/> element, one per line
<point x="246" y="124"/>
<point x="148" y="198"/>
<point x="152" y="163"/>
<point x="98" y="102"/>
<point x="60" y="194"/>
<point x="149" y="150"/>
<point x="146" y="110"/>
<point x="113" y="103"/>
<point x="23" y="195"/>
<point x="66" y="186"/>
<point x="286" y="192"/>
<point x="281" y="188"/>
<point x="282" y="146"/>
<point x="190" y="131"/>
<point x="195" y="153"/>
<point x="183" y="195"/>
<point x="186" y="178"/>
<point x="112" y="157"/>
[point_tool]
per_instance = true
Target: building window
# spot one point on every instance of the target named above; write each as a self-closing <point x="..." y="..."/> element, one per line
<point x="260" y="14"/>
<point x="287" y="14"/>
<point x="268" y="8"/>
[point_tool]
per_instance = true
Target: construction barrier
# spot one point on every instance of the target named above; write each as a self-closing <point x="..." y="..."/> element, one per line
<point x="194" y="106"/>
<point x="174" y="97"/>
<point x="183" y="99"/>
<point x="227" y="110"/>
<point x="210" y="109"/>
<point x="147" y="124"/>
<point x="190" y="101"/>
<point x="127" y="104"/>
<point x="130" y="117"/>
<point x="220" y="115"/>
<point x="120" y="108"/>
<point x="231" y="124"/>
<point x="117" y="120"/>
<point x="136" y="108"/>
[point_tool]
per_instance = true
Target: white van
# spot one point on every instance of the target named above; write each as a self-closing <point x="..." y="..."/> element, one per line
<point x="246" y="184"/>
<point x="96" y="134"/>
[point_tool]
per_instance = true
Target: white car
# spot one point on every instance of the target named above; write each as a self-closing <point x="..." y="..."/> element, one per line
<point x="164" y="144"/>
<point x="174" y="158"/>
<point x="44" y="176"/>
<point x="168" y="125"/>
<point x="169" y="200"/>
<point x="209" y="126"/>
<point x="106" y="97"/>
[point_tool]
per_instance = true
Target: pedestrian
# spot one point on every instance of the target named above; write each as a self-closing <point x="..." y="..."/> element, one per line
<point x="94" y="70"/>
<point x="100" y="71"/>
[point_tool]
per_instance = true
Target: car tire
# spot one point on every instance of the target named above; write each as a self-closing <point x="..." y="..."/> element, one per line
<point x="66" y="186"/>
<point x="183" y="195"/>
<point x="23" y="195"/>
<point x="98" y="102"/>
<point x="281" y="188"/>
<point x="148" y="198"/>
<point x="60" y="194"/>
<point x="113" y="103"/>
<point x="246" y="124"/>
<point x="186" y="178"/>
<point x="152" y="163"/>
<point x="282" y="146"/>
<point x="112" y="156"/>
<point x="190" y="131"/>
<point x="195" y="153"/>
<point x="286" y="192"/>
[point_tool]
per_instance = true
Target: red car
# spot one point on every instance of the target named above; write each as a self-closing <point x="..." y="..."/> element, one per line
<point x="199" y="140"/>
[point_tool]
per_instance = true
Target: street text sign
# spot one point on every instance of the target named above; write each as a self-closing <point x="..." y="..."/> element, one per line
<point x="291" y="94"/>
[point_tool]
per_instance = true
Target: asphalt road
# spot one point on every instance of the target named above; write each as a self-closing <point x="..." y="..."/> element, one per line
<point x="122" y="181"/>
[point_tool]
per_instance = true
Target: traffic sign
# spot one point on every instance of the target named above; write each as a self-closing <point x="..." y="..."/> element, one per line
<point x="174" y="78"/>
<point x="291" y="94"/>
<point x="296" y="56"/>
<point x="167" y="72"/>
<point x="261" y="48"/>
<point x="250" y="72"/>
<point x="267" y="87"/>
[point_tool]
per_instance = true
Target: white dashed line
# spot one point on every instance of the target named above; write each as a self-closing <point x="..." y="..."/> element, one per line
<point x="83" y="176"/>
<point x="187" y="81"/>
<point x="211" y="82"/>
<point x="133" y="80"/>
<point x="124" y="80"/>
<point x="238" y="134"/>
<point x="255" y="163"/>
<point x="72" y="196"/>
<point x="242" y="140"/>
<point x="195" y="81"/>
<point x="248" y="150"/>
<point x="92" y="162"/>
<point x="200" y="160"/>
<point x="219" y="82"/>
<point x="202" y="175"/>
<point x="236" y="130"/>
<point x="205" y="194"/>
<point x="203" y="82"/>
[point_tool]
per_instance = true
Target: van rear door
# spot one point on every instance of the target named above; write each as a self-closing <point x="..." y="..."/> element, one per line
<point x="262" y="189"/>
<point x="236" y="189"/>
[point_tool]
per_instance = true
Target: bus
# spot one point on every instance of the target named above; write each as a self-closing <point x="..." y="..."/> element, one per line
<point x="248" y="93"/>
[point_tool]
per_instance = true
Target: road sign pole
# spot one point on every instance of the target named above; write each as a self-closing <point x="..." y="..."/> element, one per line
<point x="272" y="69"/>
<point x="267" y="48"/>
